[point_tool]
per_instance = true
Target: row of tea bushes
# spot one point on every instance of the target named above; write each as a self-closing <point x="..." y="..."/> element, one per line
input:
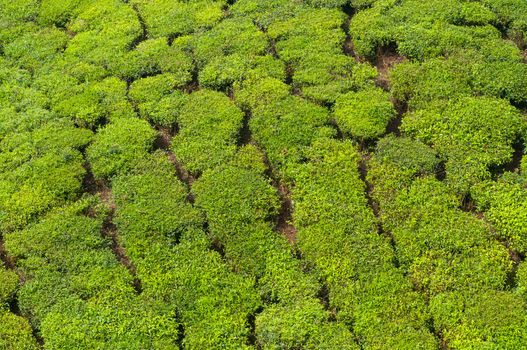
<point x="451" y="256"/>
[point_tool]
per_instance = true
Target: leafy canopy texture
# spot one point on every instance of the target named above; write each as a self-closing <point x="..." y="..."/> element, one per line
<point x="252" y="174"/>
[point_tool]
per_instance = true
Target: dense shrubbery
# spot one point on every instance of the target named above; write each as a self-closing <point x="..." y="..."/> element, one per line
<point x="209" y="125"/>
<point x="308" y="174"/>
<point x="450" y="255"/>
<point x="471" y="134"/>
<point x="364" y="114"/>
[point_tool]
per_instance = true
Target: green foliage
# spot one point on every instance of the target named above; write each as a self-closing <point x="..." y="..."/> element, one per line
<point x="103" y="31"/>
<point x="154" y="56"/>
<point x="32" y="50"/>
<point x="434" y="79"/>
<point x="172" y="18"/>
<point x="472" y="134"/>
<point x="161" y="233"/>
<point x="329" y="197"/>
<point x="59" y="12"/>
<point x="24" y="10"/>
<point x="8" y="285"/>
<point x="209" y="125"/>
<point x="231" y="196"/>
<point x="119" y="145"/>
<point x="364" y="114"/>
<point x="231" y="36"/>
<point x="113" y="320"/>
<point x="390" y="315"/>
<point x="264" y="13"/>
<point x="511" y="14"/>
<point x="151" y="208"/>
<point x="504" y="207"/>
<point x="425" y="235"/>
<point x="311" y="45"/>
<point x="311" y="30"/>
<point x="284" y="125"/>
<point x="91" y="104"/>
<point x="64" y="255"/>
<point x="493" y="319"/>
<point x="450" y="249"/>
<point x="438" y="78"/>
<point x="406" y="154"/>
<point x="301" y="325"/>
<point x="15" y="333"/>
<point x="156" y="99"/>
<point x="40" y="168"/>
<point x="425" y="29"/>
<point x="222" y="72"/>
<point x="521" y="280"/>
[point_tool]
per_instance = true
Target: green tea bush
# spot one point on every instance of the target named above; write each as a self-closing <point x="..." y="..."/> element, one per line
<point x="9" y="285"/>
<point x="15" y="333"/>
<point x="406" y="154"/>
<point x="492" y="319"/>
<point x="247" y="193"/>
<point x="511" y="16"/>
<point x="311" y="44"/>
<point x="503" y="205"/>
<point x="172" y="18"/>
<point x="364" y="114"/>
<point x="104" y="31"/>
<point x="209" y="125"/>
<point x="162" y="234"/>
<point x="302" y="324"/>
<point x="156" y="99"/>
<point x="112" y="320"/>
<point x="231" y="36"/>
<point x="119" y="145"/>
<point x="156" y="201"/>
<point x="223" y="71"/>
<point x="264" y="13"/>
<point x="461" y="133"/>
<point x="60" y="12"/>
<point x="33" y="50"/>
<point x="40" y="168"/>
<point x="151" y="57"/>
<point x="354" y="255"/>
<point x="90" y="105"/>
<point x="283" y="125"/>
<point x="25" y="10"/>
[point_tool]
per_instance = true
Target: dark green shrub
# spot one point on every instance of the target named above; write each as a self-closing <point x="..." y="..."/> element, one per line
<point x="406" y="154"/>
